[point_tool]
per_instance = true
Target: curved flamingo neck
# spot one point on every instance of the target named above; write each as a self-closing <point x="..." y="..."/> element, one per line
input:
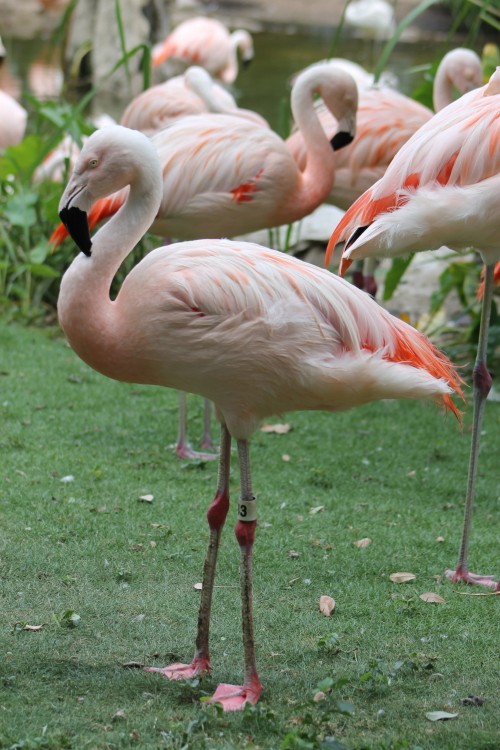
<point x="86" y="312"/>
<point x="318" y="175"/>
<point x="442" y="89"/>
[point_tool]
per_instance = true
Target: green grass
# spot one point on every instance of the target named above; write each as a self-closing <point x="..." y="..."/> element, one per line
<point x="392" y="471"/>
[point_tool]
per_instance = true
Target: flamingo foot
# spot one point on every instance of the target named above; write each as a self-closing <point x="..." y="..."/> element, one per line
<point x="235" y="697"/>
<point x="208" y="444"/>
<point x="184" y="451"/>
<point x="462" y="575"/>
<point x="197" y="668"/>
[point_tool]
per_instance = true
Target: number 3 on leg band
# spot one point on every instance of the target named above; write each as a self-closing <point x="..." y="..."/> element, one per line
<point x="247" y="510"/>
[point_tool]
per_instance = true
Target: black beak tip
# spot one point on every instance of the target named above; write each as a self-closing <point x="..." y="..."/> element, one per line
<point x="341" y="139"/>
<point x="75" y="221"/>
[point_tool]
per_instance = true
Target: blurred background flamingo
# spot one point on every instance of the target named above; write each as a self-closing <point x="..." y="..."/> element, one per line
<point x="205" y="42"/>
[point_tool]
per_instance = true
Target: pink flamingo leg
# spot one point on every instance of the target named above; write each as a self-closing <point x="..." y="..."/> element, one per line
<point x="216" y="516"/>
<point x="182" y="448"/>
<point x="235" y="697"/>
<point x="482" y="385"/>
<point x="206" y="439"/>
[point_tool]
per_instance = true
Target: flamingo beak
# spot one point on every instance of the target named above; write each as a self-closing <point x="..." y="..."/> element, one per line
<point x="75" y="221"/>
<point x="344" y="266"/>
<point x="340" y="139"/>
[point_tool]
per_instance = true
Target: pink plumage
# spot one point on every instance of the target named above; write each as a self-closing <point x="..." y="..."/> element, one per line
<point x="208" y="43"/>
<point x="252" y="329"/>
<point x="13" y="119"/>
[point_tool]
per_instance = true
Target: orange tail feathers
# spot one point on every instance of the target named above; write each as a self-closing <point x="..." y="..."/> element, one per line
<point x="417" y="350"/>
<point x="102" y="209"/>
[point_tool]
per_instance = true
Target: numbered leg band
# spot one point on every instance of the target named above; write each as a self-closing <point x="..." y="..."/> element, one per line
<point x="247" y="510"/>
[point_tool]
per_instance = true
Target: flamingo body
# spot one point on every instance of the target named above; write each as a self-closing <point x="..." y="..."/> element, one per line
<point x="254" y="330"/>
<point x="13" y="119"/>
<point x="208" y="43"/>
<point x="192" y="93"/>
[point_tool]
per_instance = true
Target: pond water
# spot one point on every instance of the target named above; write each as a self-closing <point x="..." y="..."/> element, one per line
<point x="34" y="66"/>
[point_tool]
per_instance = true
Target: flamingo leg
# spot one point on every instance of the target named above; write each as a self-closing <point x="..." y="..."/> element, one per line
<point x="235" y="697"/>
<point x="182" y="447"/>
<point x="216" y="516"/>
<point x="481" y="387"/>
<point x="206" y="439"/>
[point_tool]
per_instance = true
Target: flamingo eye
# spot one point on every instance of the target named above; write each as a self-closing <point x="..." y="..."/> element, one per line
<point x="93" y="163"/>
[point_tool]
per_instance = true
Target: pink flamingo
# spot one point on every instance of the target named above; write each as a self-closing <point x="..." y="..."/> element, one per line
<point x="254" y="330"/>
<point x="205" y="42"/>
<point x="13" y="119"/>
<point x="441" y="189"/>
<point x="226" y="175"/>
<point x="385" y="121"/>
<point x="192" y="93"/>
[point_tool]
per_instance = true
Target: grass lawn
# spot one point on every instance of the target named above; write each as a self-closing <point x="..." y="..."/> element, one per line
<point x="77" y="453"/>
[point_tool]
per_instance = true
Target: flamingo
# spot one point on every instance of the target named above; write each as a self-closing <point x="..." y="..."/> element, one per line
<point x="374" y="18"/>
<point x="227" y="175"/>
<point x="192" y="93"/>
<point x="441" y="189"/>
<point x="254" y="330"/>
<point x="13" y="119"/>
<point x="205" y="42"/>
<point x="385" y="120"/>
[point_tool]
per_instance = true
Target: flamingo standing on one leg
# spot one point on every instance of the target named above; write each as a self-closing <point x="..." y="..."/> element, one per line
<point x="254" y="330"/>
<point x="441" y="189"/>
<point x="205" y="42"/>
<point x="227" y="175"/>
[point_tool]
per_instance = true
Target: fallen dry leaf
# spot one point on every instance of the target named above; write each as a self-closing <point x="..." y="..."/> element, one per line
<point x="326" y="605"/>
<point x="319" y="696"/>
<point x="430" y="596"/>
<point x="439" y="715"/>
<point x="278" y="429"/>
<point x="472" y="700"/>
<point x="402" y="577"/>
<point x="362" y="543"/>
<point x="146" y="498"/>
<point x="317" y="509"/>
